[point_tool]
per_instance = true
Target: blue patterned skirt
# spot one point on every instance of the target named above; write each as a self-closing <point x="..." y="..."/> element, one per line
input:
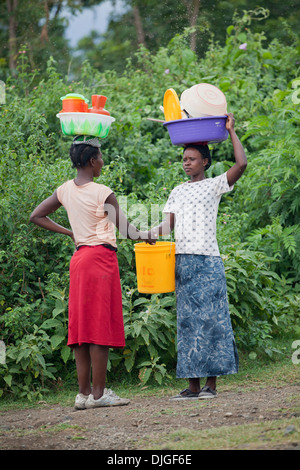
<point x="205" y="341"/>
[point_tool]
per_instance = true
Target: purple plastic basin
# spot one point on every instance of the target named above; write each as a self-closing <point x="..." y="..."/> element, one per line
<point x="202" y="129"/>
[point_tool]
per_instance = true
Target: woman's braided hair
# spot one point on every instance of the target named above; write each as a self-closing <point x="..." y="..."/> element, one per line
<point x="81" y="154"/>
<point x="83" y="149"/>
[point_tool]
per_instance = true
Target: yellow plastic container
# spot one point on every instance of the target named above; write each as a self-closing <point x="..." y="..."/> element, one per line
<point x="155" y="267"/>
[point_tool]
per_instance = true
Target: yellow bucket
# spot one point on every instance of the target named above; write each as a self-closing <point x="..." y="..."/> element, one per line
<point x="155" y="267"/>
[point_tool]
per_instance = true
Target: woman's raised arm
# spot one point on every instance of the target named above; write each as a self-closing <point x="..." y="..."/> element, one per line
<point x="236" y="171"/>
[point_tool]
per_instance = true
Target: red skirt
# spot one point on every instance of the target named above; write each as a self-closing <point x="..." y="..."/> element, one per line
<point x="95" y="298"/>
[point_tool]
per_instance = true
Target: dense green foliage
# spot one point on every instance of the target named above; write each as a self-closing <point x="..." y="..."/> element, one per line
<point x="41" y="26"/>
<point x="160" y="21"/>
<point x="258" y="224"/>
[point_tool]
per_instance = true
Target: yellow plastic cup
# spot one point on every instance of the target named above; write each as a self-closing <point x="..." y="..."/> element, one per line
<point x="155" y="267"/>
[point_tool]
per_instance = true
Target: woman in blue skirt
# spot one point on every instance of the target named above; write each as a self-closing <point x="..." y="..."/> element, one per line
<point x="205" y="341"/>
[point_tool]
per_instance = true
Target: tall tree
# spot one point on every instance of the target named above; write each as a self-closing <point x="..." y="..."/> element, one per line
<point x="36" y="24"/>
<point x="192" y="13"/>
<point x="138" y="24"/>
<point x="12" y="6"/>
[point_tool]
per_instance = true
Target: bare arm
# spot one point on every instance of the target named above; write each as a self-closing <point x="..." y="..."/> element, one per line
<point x="117" y="216"/>
<point x="40" y="213"/>
<point x="165" y="227"/>
<point x="236" y="171"/>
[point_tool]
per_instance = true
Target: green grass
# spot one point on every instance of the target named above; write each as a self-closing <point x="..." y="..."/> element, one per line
<point x="253" y="374"/>
<point x="264" y="435"/>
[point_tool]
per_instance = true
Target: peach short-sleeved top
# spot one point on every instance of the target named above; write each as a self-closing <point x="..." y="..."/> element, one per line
<point x="85" y="208"/>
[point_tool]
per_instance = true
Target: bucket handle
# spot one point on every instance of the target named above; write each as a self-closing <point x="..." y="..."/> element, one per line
<point x="171" y="244"/>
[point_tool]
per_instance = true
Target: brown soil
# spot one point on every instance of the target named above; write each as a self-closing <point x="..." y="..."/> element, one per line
<point x="54" y="427"/>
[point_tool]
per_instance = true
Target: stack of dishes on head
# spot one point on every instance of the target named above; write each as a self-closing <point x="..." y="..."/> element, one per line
<point x="199" y="116"/>
<point x="76" y="118"/>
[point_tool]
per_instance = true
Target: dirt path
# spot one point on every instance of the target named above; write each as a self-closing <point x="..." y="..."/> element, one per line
<point x="53" y="427"/>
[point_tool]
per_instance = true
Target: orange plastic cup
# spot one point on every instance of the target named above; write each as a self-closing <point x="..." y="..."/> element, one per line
<point x="74" y="105"/>
<point x="98" y="103"/>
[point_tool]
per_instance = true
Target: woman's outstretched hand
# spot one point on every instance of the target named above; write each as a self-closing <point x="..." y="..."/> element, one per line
<point x="149" y="237"/>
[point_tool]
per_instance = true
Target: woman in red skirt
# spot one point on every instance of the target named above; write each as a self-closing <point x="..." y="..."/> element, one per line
<point x="95" y="299"/>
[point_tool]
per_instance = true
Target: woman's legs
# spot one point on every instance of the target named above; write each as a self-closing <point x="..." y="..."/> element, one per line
<point x="211" y="382"/>
<point x="83" y="366"/>
<point x="99" y="357"/>
<point x="93" y="356"/>
<point x="194" y="384"/>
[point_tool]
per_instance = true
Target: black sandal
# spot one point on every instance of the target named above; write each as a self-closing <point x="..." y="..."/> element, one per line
<point x="207" y="392"/>
<point x="186" y="395"/>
